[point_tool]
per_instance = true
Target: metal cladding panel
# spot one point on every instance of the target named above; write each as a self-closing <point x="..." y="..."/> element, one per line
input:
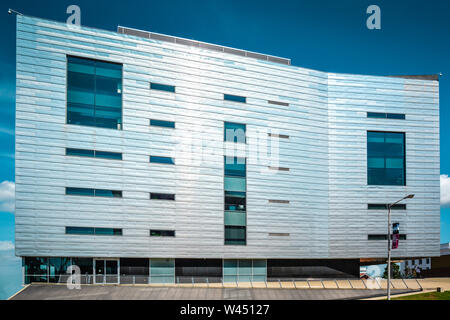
<point x="350" y="97"/>
<point x="325" y="151"/>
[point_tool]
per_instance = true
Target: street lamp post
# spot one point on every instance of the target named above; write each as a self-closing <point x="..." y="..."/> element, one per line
<point x="410" y="196"/>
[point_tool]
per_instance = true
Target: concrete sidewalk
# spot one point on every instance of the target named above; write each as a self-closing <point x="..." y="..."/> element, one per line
<point x="433" y="283"/>
<point x="119" y="292"/>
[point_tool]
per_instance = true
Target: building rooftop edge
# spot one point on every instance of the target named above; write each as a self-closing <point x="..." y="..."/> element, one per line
<point x="201" y="44"/>
<point x="432" y="77"/>
<point x="275" y="59"/>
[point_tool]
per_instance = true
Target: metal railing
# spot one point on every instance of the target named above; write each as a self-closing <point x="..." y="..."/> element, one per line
<point x="217" y="282"/>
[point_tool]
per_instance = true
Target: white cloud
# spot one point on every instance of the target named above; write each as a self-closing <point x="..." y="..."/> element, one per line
<point x="445" y="191"/>
<point x="6" y="245"/>
<point x="7" y="193"/>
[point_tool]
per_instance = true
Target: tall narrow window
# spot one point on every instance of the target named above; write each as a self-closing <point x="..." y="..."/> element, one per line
<point x="94" y="93"/>
<point x="235" y="188"/>
<point x="386" y="158"/>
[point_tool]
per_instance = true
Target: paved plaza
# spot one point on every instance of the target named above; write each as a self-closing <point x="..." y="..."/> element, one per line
<point x="118" y="292"/>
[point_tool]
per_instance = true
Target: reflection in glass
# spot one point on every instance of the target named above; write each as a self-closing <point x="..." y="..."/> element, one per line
<point x="235" y="235"/>
<point x="386" y="158"/>
<point x="235" y="201"/>
<point x="35" y="269"/>
<point x="94" y="93"/>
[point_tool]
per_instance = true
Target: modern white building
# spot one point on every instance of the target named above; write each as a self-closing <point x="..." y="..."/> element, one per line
<point x="144" y="154"/>
<point x="438" y="266"/>
<point x="414" y="264"/>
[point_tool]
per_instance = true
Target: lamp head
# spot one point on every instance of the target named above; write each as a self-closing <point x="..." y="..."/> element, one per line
<point x="409" y="196"/>
<point x="9" y="11"/>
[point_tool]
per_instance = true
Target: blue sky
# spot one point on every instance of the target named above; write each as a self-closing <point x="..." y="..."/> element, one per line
<point x="324" y="35"/>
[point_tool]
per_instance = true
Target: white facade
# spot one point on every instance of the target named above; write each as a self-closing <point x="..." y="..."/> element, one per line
<point x="326" y="153"/>
<point x="414" y="264"/>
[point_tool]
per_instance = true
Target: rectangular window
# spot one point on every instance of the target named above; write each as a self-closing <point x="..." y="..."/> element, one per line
<point x="161" y="123"/>
<point x="382" y="115"/>
<point x="235" y="201"/>
<point x="162" y="87"/>
<point x="162" y="233"/>
<point x="284" y="104"/>
<point x="162" y="196"/>
<point x="279" y="169"/>
<point x="93" y="192"/>
<point x="108" y="155"/>
<point x="235" y="184"/>
<point x="162" y="270"/>
<point x="244" y="270"/>
<point x="395" y="116"/>
<point x="234" y="132"/>
<point x="235" y="166"/>
<point x="80" y="192"/>
<point x="386" y="158"/>
<point x="281" y="136"/>
<point x="108" y="193"/>
<point x="163" y="160"/>
<point x="94" y="93"/>
<point x="230" y="97"/>
<point x="383" y="237"/>
<point x="108" y="232"/>
<point x="235" y="235"/>
<point x="279" y="201"/>
<point x="93" y="154"/>
<point x="80" y="152"/>
<point x="235" y="218"/>
<point x="376" y="115"/>
<point x="377" y="206"/>
<point x="79" y="230"/>
<point x="94" y="231"/>
<point x="36" y="269"/>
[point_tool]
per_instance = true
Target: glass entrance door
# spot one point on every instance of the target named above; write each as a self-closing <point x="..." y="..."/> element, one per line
<point x="112" y="271"/>
<point x="106" y="271"/>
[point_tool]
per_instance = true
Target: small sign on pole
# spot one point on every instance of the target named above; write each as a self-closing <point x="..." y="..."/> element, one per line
<point x="395" y="235"/>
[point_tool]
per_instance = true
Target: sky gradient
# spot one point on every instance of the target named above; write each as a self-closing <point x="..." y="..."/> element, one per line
<point x="324" y="35"/>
